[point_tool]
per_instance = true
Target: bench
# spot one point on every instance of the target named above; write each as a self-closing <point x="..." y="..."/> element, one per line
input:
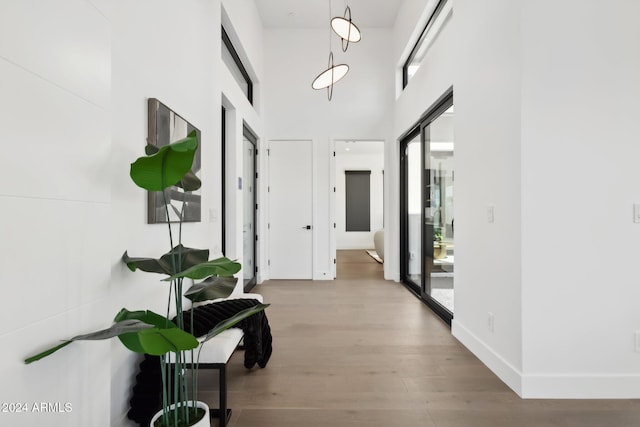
<point x="216" y="353"/>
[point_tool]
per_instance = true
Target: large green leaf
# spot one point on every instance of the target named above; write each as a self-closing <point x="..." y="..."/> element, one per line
<point x="150" y="265"/>
<point x="156" y="341"/>
<point x="234" y="320"/>
<point x="211" y="288"/>
<point x="189" y="182"/>
<point x="165" y="336"/>
<point x="127" y="326"/>
<point x="186" y="257"/>
<point x="222" y="267"/>
<point x="147" y="316"/>
<point x="167" y="166"/>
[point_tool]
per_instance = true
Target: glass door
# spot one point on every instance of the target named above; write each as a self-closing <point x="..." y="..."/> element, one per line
<point x="411" y="155"/>
<point x="427" y="223"/>
<point x="439" y="221"/>
<point x="249" y="203"/>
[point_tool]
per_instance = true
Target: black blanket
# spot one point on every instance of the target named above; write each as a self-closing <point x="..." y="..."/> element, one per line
<point x="146" y="398"/>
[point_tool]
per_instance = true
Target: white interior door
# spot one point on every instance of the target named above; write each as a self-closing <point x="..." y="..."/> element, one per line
<point x="290" y="210"/>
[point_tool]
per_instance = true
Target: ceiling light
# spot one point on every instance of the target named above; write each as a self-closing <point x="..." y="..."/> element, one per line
<point x="334" y="73"/>
<point x="330" y="76"/>
<point x="346" y="29"/>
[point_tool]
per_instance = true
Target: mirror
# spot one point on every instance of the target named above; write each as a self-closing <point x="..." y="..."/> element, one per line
<point x="165" y="127"/>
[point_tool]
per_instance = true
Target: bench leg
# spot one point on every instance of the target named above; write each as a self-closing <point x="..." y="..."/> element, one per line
<point x="223" y="396"/>
<point x="222" y="413"/>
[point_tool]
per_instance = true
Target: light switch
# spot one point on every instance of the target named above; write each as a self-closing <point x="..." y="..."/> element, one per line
<point x="490" y="214"/>
<point x="636" y="213"/>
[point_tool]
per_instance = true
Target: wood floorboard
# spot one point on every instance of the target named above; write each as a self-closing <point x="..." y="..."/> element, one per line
<point x="361" y="351"/>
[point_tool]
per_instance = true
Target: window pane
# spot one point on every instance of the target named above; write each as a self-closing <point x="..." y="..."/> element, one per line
<point x="232" y="60"/>
<point x="441" y="12"/>
<point x="440" y="170"/>
<point x="358" y="200"/>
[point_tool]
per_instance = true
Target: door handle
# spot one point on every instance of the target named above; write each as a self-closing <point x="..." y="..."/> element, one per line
<point x="306" y="227"/>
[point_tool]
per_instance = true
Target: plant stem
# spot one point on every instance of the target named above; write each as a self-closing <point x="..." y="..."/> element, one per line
<point x="166" y="210"/>
<point x="177" y="374"/>
<point x="176" y="387"/>
<point x="165" y="412"/>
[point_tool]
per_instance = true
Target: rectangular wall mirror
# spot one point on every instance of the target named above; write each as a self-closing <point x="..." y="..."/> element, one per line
<point x="165" y="127"/>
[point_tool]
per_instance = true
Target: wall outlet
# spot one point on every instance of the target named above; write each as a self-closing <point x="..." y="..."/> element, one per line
<point x="490" y="321"/>
<point x="637" y="340"/>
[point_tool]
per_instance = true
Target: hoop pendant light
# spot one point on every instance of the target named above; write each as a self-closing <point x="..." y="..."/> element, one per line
<point x="330" y="76"/>
<point x="346" y="29"/>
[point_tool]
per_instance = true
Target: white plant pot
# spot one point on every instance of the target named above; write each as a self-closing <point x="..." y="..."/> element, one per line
<point x="204" y="421"/>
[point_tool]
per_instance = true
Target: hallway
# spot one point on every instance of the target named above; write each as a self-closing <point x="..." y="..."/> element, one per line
<point x="356" y="264"/>
<point x="365" y="352"/>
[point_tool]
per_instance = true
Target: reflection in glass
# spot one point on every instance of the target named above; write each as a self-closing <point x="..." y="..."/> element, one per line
<point x="439" y="221"/>
<point x="414" y="203"/>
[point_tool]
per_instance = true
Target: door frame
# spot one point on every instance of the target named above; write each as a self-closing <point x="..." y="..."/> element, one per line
<point x="250" y="136"/>
<point x="333" y="182"/>
<point x="223" y="175"/>
<point x="404" y="218"/>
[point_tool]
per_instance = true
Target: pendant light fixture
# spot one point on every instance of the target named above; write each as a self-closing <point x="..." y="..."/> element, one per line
<point x="346" y="29"/>
<point x="332" y="74"/>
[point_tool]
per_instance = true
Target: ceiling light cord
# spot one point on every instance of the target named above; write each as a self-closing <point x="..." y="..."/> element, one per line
<point x="329" y="21"/>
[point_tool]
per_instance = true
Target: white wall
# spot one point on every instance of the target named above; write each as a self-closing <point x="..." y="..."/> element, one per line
<point x="74" y="99"/>
<point x="527" y="80"/>
<point x="580" y="127"/>
<point x="346" y="161"/>
<point x="242" y="23"/>
<point x="55" y="103"/>
<point x="487" y="137"/>
<point x="360" y="109"/>
<point x="155" y="57"/>
<point x="181" y="65"/>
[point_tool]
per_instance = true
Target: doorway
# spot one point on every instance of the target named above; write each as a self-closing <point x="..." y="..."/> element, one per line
<point x="426" y="208"/>
<point x="357" y="205"/>
<point x="249" y="235"/>
<point x="291" y="209"/>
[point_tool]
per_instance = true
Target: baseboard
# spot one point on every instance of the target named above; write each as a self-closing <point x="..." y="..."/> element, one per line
<point x="549" y="386"/>
<point x="552" y="386"/>
<point x="511" y="376"/>
<point x="391" y="275"/>
<point x="322" y="275"/>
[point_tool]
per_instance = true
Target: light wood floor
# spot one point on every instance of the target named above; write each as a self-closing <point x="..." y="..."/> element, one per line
<point x="360" y="351"/>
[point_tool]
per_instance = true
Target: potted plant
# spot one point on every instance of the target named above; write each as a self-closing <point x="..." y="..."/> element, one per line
<point x="154" y="334"/>
<point x="439" y="247"/>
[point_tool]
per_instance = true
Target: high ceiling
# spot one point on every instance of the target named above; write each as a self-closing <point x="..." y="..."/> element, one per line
<point x="315" y="13"/>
